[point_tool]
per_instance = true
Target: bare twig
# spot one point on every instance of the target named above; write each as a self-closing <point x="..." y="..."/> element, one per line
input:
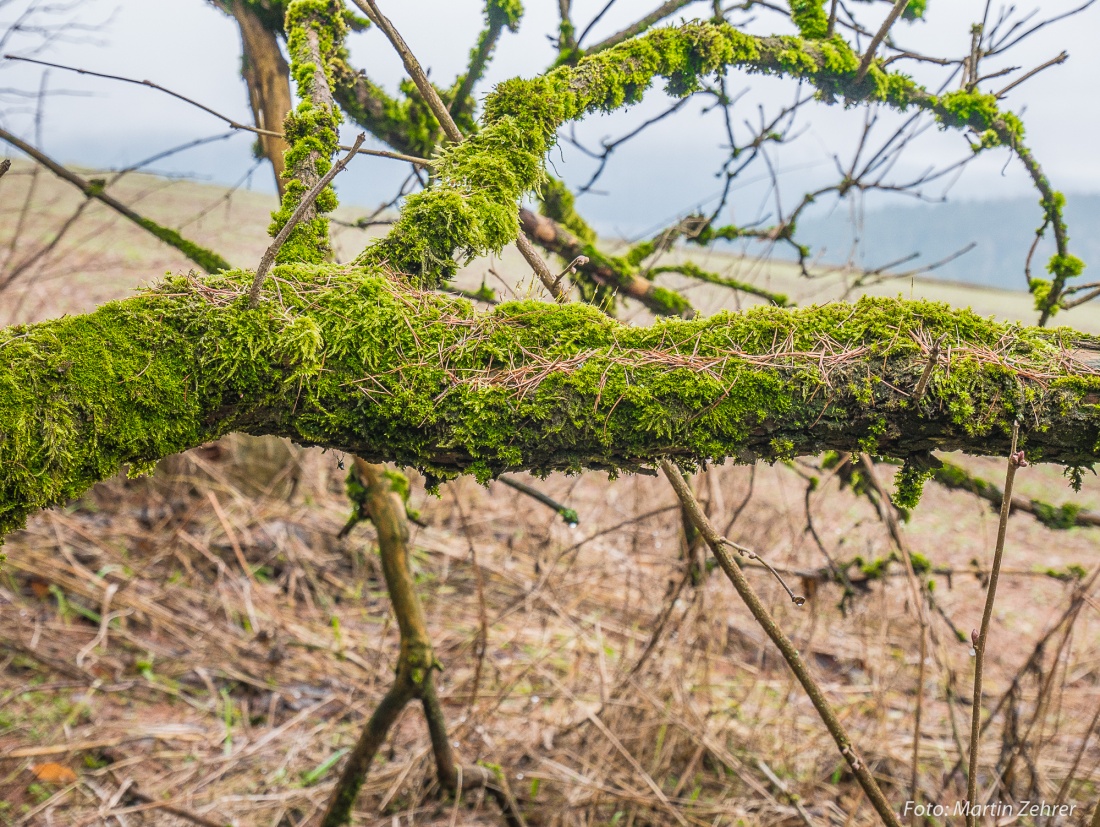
<point x="303" y="206"/>
<point x="5" y="165"/>
<point x="1062" y="58"/>
<point x="233" y="124"/>
<point x="786" y="647"/>
<point x="539" y="265"/>
<point x="933" y="357"/>
<point x="1015" y="460"/>
<point x="880" y="35"/>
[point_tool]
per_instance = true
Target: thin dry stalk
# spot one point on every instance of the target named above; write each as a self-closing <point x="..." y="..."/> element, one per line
<point x="1015" y="460"/>
<point x="787" y="648"/>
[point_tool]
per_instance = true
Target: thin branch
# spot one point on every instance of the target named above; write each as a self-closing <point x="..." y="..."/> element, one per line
<point x="880" y="35"/>
<point x="787" y="648"/>
<point x="655" y="16"/>
<point x="1054" y="61"/>
<point x="233" y="124"/>
<point x="413" y="67"/>
<point x="303" y="207"/>
<point x="568" y="514"/>
<point x="5" y="165"/>
<point x="1015" y="460"/>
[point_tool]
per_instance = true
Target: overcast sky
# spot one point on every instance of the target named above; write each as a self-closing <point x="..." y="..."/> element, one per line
<point x="194" y="49"/>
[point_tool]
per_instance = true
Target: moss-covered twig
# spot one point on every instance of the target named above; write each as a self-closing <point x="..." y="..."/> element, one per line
<point x="694" y="271"/>
<point x="1059" y="517"/>
<point x="568" y="514"/>
<point x="499" y="14"/>
<point x="209" y="261"/>
<point x="718" y="546"/>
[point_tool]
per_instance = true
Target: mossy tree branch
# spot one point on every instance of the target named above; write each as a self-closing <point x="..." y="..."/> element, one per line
<point x="351" y="360"/>
<point x="471" y="208"/>
<point x="1060" y="517"/>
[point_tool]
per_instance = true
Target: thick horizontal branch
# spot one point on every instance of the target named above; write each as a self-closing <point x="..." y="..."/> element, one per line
<point x="352" y="360"/>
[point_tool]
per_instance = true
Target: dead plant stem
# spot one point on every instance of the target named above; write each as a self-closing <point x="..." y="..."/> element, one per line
<point x="1014" y="461"/>
<point x="718" y="546"/>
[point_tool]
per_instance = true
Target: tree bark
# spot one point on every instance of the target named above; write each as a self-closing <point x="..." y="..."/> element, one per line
<point x="353" y="360"/>
<point x="267" y="75"/>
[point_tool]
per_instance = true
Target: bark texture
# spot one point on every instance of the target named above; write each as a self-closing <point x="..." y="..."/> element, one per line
<point x="265" y="72"/>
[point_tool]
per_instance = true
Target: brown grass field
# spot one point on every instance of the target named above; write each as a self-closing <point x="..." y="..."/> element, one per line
<point x="147" y="679"/>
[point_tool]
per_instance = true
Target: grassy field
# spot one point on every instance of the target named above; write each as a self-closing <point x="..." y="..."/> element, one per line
<point x="147" y="677"/>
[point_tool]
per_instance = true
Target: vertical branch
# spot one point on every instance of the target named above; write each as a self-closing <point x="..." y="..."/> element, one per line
<point x="980" y="638"/>
<point x="718" y="546"/>
<point x="314" y="36"/>
<point x="373" y="488"/>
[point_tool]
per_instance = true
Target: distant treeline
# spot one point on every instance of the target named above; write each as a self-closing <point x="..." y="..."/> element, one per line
<point x="1002" y="230"/>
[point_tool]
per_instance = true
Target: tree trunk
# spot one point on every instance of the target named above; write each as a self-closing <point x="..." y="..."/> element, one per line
<point x="267" y="75"/>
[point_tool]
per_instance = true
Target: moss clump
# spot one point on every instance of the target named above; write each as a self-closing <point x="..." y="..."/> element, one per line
<point x="811" y="18"/>
<point x="909" y="484"/>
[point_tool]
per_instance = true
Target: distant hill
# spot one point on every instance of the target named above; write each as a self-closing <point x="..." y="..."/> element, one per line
<point x="1003" y="231"/>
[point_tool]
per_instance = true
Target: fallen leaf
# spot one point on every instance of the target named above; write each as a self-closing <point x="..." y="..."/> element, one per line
<point x="53" y="773"/>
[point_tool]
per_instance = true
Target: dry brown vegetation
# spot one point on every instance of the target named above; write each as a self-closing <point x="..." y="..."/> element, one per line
<point x="201" y="647"/>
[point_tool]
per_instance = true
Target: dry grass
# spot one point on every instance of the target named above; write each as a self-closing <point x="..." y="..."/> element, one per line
<point x="200" y="646"/>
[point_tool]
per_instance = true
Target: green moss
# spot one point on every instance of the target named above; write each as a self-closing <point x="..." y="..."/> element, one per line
<point x="810" y="17"/>
<point x="909" y="485"/>
<point x="348" y="359"/>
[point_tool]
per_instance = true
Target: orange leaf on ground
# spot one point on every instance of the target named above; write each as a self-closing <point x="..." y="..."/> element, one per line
<point x="53" y="773"/>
